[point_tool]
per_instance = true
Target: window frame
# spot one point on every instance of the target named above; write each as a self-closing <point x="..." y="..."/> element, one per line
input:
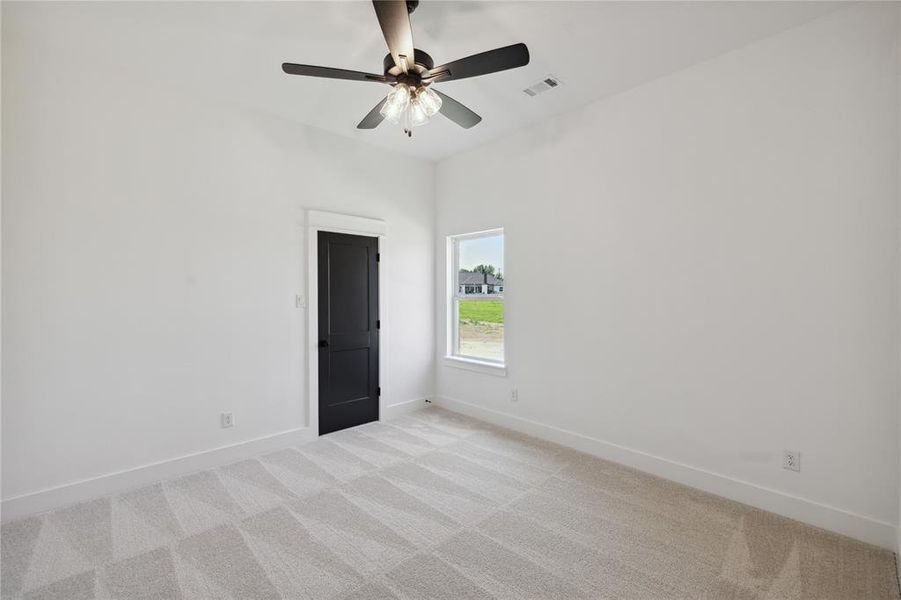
<point x="452" y="356"/>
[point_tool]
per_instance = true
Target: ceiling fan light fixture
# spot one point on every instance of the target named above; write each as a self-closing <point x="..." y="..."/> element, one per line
<point x="410" y="106"/>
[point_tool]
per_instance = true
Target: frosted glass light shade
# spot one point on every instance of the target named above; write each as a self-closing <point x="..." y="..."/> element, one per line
<point x="397" y="102"/>
<point x="430" y="101"/>
<point x="418" y="114"/>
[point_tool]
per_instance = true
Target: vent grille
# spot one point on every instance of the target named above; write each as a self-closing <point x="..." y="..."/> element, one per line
<point x="548" y="83"/>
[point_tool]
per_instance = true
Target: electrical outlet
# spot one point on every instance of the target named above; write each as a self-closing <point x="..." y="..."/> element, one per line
<point x="300" y="301"/>
<point x="791" y="460"/>
<point x="514" y="395"/>
<point x="228" y="420"/>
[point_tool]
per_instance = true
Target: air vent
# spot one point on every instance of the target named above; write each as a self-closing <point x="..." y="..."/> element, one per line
<point x="548" y="83"/>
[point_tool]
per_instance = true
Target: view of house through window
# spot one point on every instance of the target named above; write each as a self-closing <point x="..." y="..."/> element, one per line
<point x="478" y="296"/>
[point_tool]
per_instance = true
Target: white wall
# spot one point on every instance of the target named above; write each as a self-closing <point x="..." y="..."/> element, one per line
<point x="152" y="248"/>
<point x="734" y="229"/>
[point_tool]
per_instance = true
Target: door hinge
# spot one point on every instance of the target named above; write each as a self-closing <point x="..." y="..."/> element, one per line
<point x="378" y="323"/>
<point x="378" y="257"/>
<point x="378" y="391"/>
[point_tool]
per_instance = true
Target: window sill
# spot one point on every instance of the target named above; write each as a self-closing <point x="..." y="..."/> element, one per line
<point x="478" y="366"/>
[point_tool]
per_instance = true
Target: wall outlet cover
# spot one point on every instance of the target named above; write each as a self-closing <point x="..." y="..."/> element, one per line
<point x="228" y="420"/>
<point x="791" y="460"/>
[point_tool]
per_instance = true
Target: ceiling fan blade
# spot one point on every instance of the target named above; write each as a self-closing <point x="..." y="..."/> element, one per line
<point x="456" y="112"/>
<point x="499" y="59"/>
<point x="374" y="118"/>
<point x="395" y="23"/>
<point x="330" y="73"/>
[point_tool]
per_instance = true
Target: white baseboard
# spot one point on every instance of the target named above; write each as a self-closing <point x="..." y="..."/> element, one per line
<point x="393" y="411"/>
<point x="112" y="483"/>
<point x="866" y="529"/>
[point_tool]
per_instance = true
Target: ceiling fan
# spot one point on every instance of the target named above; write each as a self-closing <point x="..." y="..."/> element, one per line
<point x="410" y="72"/>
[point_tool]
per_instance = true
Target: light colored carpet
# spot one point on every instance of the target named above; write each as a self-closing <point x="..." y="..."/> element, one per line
<point x="431" y="505"/>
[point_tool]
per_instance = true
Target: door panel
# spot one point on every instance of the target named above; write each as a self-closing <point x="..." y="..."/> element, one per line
<point x="348" y="331"/>
<point x="349" y="375"/>
<point x="348" y="288"/>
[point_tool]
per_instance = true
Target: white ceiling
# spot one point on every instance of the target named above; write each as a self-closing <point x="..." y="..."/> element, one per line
<point x="234" y="50"/>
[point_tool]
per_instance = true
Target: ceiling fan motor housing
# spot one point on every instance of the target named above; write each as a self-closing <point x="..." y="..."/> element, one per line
<point x="422" y="63"/>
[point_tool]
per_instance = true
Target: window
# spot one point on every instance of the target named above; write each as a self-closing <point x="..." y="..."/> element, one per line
<point x="476" y="299"/>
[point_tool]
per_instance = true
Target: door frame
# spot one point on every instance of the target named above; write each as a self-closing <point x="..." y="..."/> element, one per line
<point x="317" y="221"/>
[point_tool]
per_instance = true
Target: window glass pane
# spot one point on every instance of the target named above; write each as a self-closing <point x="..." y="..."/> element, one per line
<point x="481" y="265"/>
<point x="479" y="291"/>
<point x="481" y="328"/>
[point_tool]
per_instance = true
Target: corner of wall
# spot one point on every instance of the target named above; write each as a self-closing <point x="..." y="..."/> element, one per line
<point x="436" y="278"/>
<point x="898" y="157"/>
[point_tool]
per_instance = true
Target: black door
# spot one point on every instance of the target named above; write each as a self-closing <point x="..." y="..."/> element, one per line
<point x="348" y="331"/>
